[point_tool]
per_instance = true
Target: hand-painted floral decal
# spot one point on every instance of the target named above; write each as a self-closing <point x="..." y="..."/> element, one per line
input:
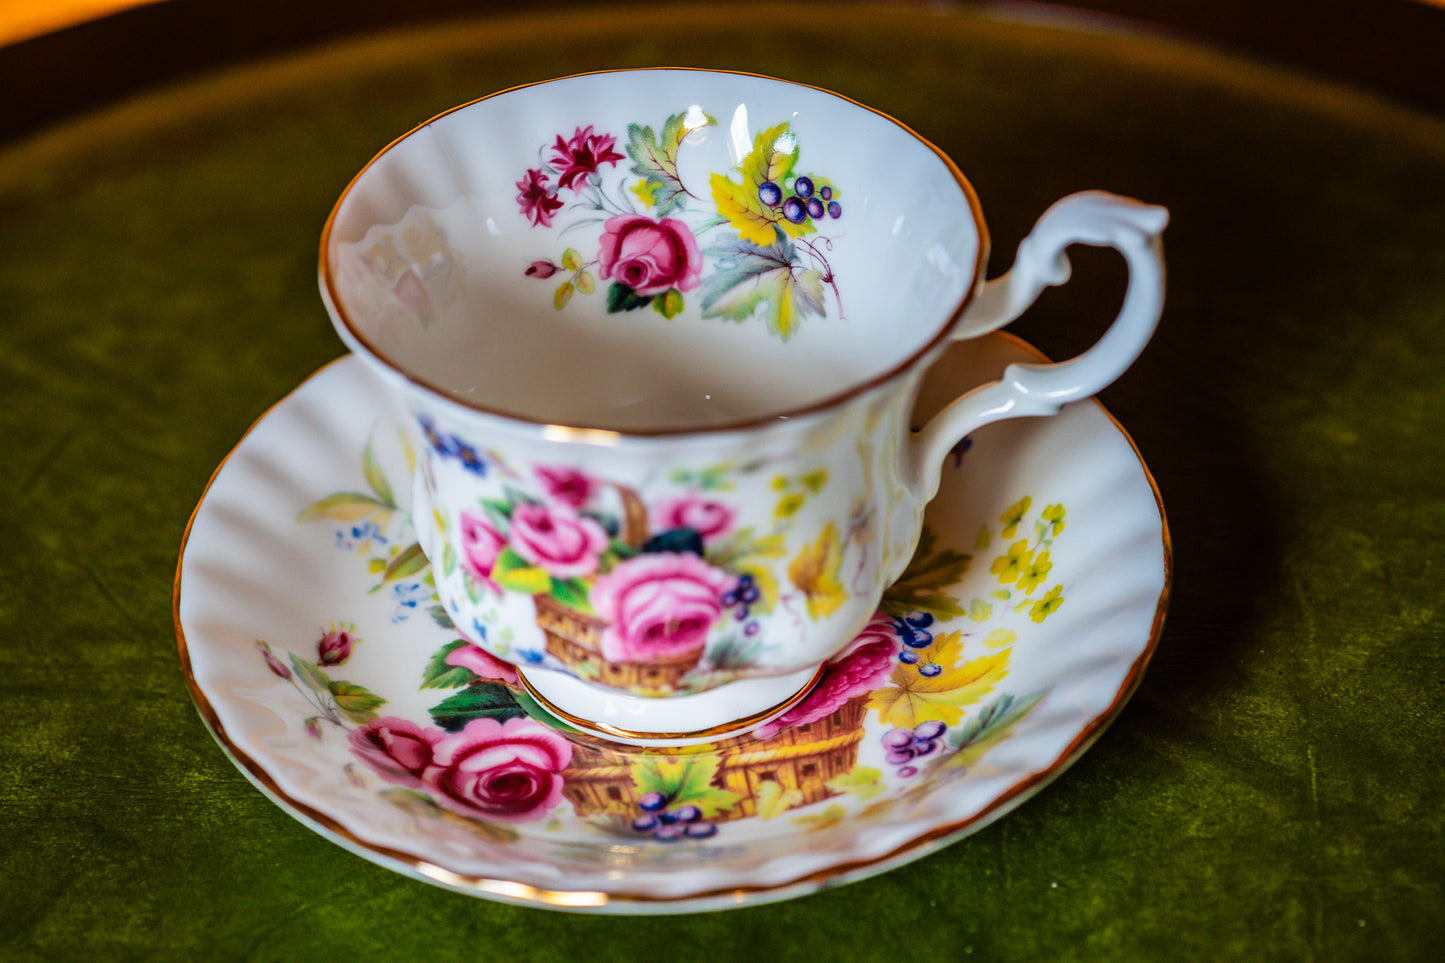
<point x="914" y="700"/>
<point x="748" y="244"/>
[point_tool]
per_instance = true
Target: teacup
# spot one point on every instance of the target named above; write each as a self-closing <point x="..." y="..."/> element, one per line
<point x="660" y="333"/>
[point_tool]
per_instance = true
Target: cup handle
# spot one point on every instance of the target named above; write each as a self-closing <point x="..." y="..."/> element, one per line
<point x="1090" y="217"/>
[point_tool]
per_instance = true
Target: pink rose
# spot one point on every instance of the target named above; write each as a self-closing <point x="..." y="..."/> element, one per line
<point x="502" y="770"/>
<point x="481" y="543"/>
<point x="563" y="543"/>
<point x="708" y="518"/>
<point x="567" y="485"/>
<point x="650" y="256"/>
<point x="482" y="663"/>
<point x="397" y="749"/>
<point x="658" y="605"/>
<point x="863" y="667"/>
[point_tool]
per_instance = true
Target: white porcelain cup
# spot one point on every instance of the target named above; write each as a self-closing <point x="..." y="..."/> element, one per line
<point x="660" y="332"/>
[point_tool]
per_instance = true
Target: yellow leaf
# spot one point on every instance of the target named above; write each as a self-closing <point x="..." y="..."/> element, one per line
<point x="914" y="698"/>
<point x="826" y="819"/>
<point x="861" y="781"/>
<point x="815" y="572"/>
<point x="999" y="638"/>
<point x="739" y="204"/>
<point x="773" y="800"/>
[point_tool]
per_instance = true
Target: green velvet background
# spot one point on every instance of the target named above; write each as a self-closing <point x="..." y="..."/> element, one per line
<point x="1273" y="791"/>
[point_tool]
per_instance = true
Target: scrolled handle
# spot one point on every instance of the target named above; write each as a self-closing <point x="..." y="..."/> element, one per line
<point x="1091" y="217"/>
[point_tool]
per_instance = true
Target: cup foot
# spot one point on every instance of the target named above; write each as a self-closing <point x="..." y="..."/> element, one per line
<point x="704" y="717"/>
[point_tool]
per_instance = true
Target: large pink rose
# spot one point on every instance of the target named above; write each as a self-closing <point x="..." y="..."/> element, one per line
<point x="650" y="256"/>
<point x="481" y="543"/>
<point x="710" y="519"/>
<point x="557" y="539"/>
<point x="658" y="605"/>
<point x="397" y="749"/>
<point x="502" y="770"/>
<point x="862" y="667"/>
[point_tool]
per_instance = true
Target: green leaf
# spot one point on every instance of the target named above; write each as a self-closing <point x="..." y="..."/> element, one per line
<point x="345" y="507"/>
<point x="764" y="282"/>
<point x="620" y="297"/>
<point x="407" y="562"/>
<point x="310" y="673"/>
<point x="439" y="615"/>
<point x="371" y="467"/>
<point x="512" y="571"/>
<point x="585" y="282"/>
<point x="439" y="675"/>
<point x="922" y="583"/>
<point x="572" y="592"/>
<point x="655" y="159"/>
<point x="670" y="304"/>
<point x="356" y="703"/>
<point x="485" y="700"/>
<point x="995" y="721"/>
<point x="563" y="295"/>
<point x="683" y="780"/>
<point x="571" y="259"/>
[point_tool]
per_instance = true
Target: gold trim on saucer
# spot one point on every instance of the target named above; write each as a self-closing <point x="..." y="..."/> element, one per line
<point x="733" y="727"/>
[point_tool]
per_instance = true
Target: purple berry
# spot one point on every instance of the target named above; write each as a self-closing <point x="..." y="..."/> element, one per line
<point x="815" y="207"/>
<point x="908" y="772"/>
<point x="742" y="612"/>
<point x="770" y="193"/>
<point x="931" y="729"/>
<point x="729" y="599"/>
<point x="835" y="210"/>
<point x="645" y="824"/>
<point x="919" y="620"/>
<point x="922" y="747"/>
<point x="750" y="594"/>
<point x="897" y="739"/>
<point x="803" y="187"/>
<point x="667" y="834"/>
<point x="652" y="802"/>
<point x="700" y="830"/>
<point x="825" y="192"/>
<point x="930" y="669"/>
<point x="751" y="629"/>
<point x="899" y="757"/>
<point x="794" y="210"/>
<point x="688" y="814"/>
<point x="907" y="657"/>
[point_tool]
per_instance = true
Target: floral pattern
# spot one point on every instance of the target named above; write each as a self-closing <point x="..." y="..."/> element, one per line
<point x="750" y="244"/>
<point x="917" y="697"/>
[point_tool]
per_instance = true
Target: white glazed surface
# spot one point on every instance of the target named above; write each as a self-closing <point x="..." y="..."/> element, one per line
<point x="260" y="565"/>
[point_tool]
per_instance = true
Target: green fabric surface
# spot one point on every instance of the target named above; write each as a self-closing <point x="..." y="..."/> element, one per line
<point x="1273" y="791"/>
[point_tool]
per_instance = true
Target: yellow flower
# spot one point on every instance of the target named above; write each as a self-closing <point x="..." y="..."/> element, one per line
<point x="1046" y="606"/>
<point x="1033" y="573"/>
<point x="1055" y="515"/>
<point x="1015" y="514"/>
<point x="815" y="572"/>
<point x="1009" y="567"/>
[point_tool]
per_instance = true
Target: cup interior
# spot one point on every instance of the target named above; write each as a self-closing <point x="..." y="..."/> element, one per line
<point x="652" y="251"/>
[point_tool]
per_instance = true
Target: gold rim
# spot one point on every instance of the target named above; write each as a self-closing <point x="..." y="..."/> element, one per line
<point x="853" y="391"/>
<point x="513" y="891"/>
<point x="736" y="727"/>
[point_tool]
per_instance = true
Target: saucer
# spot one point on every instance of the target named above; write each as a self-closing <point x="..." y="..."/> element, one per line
<point x="319" y="658"/>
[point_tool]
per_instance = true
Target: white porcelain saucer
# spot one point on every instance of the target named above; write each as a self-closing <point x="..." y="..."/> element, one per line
<point x="309" y="636"/>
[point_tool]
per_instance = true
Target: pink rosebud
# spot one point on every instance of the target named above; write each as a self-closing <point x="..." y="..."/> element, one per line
<point x="335" y="646"/>
<point x="541" y="269"/>
<point x="273" y="663"/>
